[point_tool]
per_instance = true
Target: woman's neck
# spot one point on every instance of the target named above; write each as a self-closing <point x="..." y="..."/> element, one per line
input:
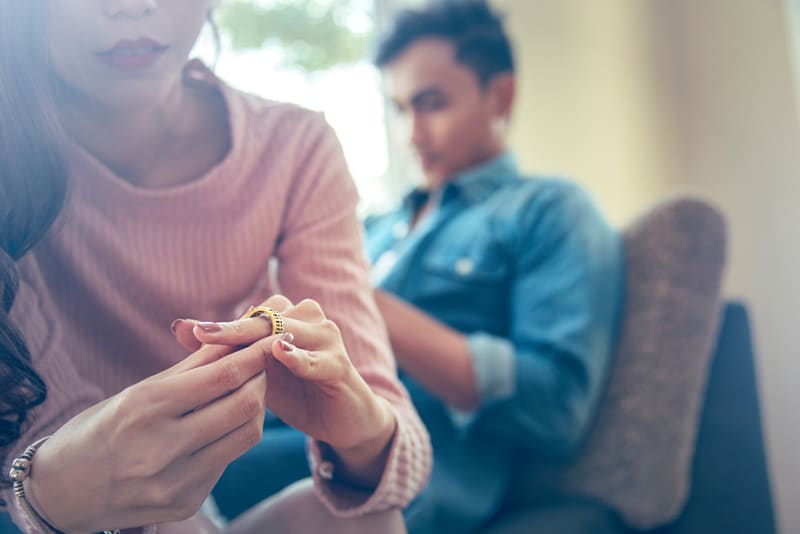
<point x="175" y="140"/>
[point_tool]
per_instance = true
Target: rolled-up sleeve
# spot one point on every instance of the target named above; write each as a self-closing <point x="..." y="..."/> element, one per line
<point x="493" y="362"/>
<point x="540" y="386"/>
<point x="494" y="366"/>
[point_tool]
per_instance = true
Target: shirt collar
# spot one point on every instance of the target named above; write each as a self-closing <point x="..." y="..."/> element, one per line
<point x="473" y="184"/>
<point x="478" y="182"/>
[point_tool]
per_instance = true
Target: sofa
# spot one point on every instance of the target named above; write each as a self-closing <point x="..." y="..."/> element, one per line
<point x="677" y="444"/>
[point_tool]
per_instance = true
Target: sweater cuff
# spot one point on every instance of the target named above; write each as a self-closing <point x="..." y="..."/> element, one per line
<point x="406" y="471"/>
<point x="342" y="499"/>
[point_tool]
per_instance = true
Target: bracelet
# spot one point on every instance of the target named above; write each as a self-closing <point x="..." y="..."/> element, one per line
<point x="20" y="471"/>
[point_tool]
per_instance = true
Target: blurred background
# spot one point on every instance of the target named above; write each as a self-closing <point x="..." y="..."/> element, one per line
<point x="634" y="99"/>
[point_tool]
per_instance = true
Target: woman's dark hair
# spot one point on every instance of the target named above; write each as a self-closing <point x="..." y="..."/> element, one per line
<point x="32" y="190"/>
<point x="474" y="29"/>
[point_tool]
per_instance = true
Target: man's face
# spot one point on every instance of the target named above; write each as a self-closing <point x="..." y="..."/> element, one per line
<point x="450" y="120"/>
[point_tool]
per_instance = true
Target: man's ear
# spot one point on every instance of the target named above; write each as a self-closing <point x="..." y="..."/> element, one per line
<point x="503" y="88"/>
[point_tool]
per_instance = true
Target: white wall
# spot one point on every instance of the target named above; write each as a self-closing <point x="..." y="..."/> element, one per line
<point x="637" y="99"/>
<point x="735" y="105"/>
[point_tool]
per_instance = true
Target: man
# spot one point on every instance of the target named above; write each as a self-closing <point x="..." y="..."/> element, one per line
<point x="500" y="292"/>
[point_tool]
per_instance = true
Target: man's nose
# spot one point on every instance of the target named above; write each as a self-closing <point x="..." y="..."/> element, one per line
<point x="417" y="130"/>
<point x="129" y="8"/>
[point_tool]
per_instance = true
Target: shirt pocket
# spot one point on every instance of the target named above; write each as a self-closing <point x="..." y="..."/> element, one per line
<point x="480" y="261"/>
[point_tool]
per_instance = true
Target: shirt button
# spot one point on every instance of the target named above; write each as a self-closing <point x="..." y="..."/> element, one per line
<point x="400" y="229"/>
<point x="325" y="470"/>
<point x="464" y="266"/>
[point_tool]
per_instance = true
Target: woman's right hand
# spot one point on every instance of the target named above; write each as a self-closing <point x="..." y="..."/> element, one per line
<point x="152" y="453"/>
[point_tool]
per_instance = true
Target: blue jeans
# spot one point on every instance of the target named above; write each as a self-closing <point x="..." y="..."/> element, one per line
<point x="277" y="461"/>
<point x="6" y="526"/>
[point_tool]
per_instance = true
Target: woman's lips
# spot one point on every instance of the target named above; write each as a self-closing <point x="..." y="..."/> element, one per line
<point x="133" y="55"/>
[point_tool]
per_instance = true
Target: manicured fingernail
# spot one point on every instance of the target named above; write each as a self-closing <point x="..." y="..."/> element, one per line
<point x="210" y="328"/>
<point x="174" y="325"/>
<point x="287" y="347"/>
<point x="288" y="337"/>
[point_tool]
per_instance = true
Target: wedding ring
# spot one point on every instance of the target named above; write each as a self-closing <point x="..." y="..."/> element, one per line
<point x="273" y="316"/>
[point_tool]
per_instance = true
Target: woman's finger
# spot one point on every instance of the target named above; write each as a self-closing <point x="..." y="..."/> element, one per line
<point x="182" y="330"/>
<point x="308" y="310"/>
<point x="244" y="330"/>
<point x="315" y="366"/>
<point x="198" y="386"/>
<point x="195" y="475"/>
<point x="203" y="356"/>
<point x="241" y="332"/>
<point x="310" y="335"/>
<point x="229" y="447"/>
<point x="201" y="427"/>
<point x="278" y="302"/>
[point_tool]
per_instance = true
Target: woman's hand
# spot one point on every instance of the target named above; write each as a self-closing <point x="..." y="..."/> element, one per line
<point x="153" y="452"/>
<point x="313" y="385"/>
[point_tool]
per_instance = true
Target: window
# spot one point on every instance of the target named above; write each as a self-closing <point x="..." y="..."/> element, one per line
<point x="314" y="53"/>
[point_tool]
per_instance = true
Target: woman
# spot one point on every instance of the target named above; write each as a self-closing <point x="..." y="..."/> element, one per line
<point x="170" y="193"/>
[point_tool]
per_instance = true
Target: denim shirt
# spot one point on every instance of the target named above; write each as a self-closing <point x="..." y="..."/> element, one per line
<point x="530" y="272"/>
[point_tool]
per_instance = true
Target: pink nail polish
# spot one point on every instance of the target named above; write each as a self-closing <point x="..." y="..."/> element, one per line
<point x="174" y="325"/>
<point x="288" y="337"/>
<point x="287" y="347"/>
<point x="210" y="328"/>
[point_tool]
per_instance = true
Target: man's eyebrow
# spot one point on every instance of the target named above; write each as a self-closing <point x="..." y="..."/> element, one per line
<point x="417" y="97"/>
<point x="425" y="93"/>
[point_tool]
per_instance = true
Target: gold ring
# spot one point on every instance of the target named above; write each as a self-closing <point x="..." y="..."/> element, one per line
<point x="275" y="318"/>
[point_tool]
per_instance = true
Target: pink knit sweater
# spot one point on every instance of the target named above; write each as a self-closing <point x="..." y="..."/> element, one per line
<point x="98" y="295"/>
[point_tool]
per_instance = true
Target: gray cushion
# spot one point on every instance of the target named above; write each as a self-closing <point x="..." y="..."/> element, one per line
<point x="637" y="459"/>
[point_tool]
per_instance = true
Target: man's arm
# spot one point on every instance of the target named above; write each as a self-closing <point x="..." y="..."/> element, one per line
<point x="431" y="352"/>
<point x="539" y="385"/>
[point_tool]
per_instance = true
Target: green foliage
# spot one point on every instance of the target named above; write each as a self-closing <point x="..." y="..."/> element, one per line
<point x="314" y="35"/>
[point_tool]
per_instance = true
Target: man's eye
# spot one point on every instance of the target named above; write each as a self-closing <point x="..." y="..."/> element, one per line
<point x="431" y="104"/>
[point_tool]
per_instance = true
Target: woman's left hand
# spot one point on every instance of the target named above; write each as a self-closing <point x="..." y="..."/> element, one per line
<point x="312" y="384"/>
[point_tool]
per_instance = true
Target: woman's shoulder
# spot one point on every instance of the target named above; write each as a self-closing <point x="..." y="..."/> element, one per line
<point x="255" y="118"/>
<point x="263" y="110"/>
<point x="261" y="118"/>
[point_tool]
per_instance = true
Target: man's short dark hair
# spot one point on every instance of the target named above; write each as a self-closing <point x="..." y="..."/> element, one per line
<point x="476" y="31"/>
